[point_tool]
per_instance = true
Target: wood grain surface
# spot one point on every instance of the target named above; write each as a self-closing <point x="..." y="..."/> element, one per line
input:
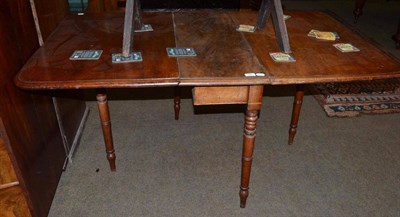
<point x="27" y="121"/>
<point x="7" y="174"/>
<point x="220" y="95"/>
<point x="318" y="61"/>
<point x="50" y="67"/>
<point x="223" y="54"/>
<point x="23" y="27"/>
<point x="12" y="203"/>
<point x="50" y="13"/>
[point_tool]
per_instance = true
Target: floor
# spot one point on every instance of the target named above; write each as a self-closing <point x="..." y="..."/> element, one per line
<point x="191" y="167"/>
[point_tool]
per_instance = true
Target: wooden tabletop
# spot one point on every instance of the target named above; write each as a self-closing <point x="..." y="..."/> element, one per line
<point x="316" y="60"/>
<point x="51" y="68"/>
<point x="223" y="54"/>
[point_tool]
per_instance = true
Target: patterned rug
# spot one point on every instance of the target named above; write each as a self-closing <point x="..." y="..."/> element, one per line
<point x="356" y="98"/>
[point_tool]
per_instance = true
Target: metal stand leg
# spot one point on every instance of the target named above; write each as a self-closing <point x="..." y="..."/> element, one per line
<point x="264" y="14"/>
<point x="133" y="23"/>
<point x="274" y="8"/>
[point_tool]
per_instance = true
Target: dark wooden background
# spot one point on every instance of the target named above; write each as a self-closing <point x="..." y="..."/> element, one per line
<point x="33" y="139"/>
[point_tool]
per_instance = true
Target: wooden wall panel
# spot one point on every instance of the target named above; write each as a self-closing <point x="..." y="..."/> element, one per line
<point x="35" y="144"/>
<point x="102" y="5"/>
<point x="111" y="5"/>
<point x="21" y="15"/>
<point x="50" y="13"/>
<point x="95" y="6"/>
<point x="7" y="174"/>
<point x="12" y="203"/>
<point x="46" y="166"/>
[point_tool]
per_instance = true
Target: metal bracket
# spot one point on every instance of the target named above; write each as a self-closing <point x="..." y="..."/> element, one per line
<point x="181" y="52"/>
<point x="86" y="55"/>
<point x="133" y="57"/>
<point x="274" y="8"/>
<point x="133" y="23"/>
<point x="145" y="28"/>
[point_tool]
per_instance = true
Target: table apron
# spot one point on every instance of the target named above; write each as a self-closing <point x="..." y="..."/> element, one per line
<point x="220" y="95"/>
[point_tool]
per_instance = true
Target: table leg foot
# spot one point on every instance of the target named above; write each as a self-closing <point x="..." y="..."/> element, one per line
<point x="244" y="193"/>
<point x="298" y="101"/>
<point x="177" y="102"/>
<point x="106" y="127"/>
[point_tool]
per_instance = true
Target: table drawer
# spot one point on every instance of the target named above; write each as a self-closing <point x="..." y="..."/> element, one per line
<point x="220" y="95"/>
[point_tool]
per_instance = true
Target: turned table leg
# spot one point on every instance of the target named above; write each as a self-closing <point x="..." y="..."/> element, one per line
<point x="298" y="101"/>
<point x="253" y="109"/>
<point x="177" y="102"/>
<point x="106" y="126"/>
